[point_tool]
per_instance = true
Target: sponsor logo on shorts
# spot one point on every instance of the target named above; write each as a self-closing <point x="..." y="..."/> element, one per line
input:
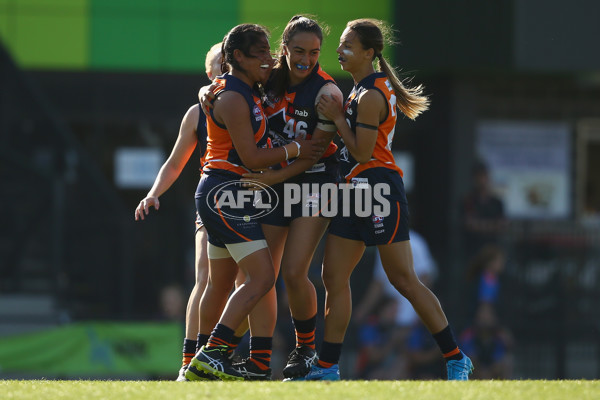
<point x="377" y="219"/>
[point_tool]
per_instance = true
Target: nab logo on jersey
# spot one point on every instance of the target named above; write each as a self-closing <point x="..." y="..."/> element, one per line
<point x="301" y="113"/>
<point x="297" y="111"/>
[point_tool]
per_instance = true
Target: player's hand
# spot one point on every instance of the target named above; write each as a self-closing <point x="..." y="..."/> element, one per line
<point x="266" y="177"/>
<point x="207" y="97"/>
<point x="311" y="149"/>
<point x="144" y="207"/>
<point x="330" y="107"/>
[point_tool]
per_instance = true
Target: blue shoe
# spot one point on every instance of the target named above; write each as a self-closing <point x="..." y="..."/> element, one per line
<point x="317" y="373"/>
<point x="459" y="370"/>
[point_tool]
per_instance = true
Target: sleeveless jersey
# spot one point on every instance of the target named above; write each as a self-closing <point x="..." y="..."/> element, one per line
<point x="382" y="153"/>
<point x="201" y="135"/>
<point x="294" y="116"/>
<point x="221" y="156"/>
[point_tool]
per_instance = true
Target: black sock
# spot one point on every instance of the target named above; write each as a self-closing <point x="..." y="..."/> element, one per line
<point x="220" y="336"/>
<point x="330" y="354"/>
<point x="260" y="351"/>
<point x="447" y="344"/>
<point x="202" y="340"/>
<point x="189" y="350"/>
<point x="305" y="331"/>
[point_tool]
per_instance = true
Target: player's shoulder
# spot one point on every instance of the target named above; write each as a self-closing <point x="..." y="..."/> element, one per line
<point x="192" y="115"/>
<point x="324" y="75"/>
<point x="331" y="89"/>
<point x="371" y="96"/>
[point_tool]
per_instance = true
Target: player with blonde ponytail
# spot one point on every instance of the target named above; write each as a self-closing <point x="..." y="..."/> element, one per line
<point x="367" y="125"/>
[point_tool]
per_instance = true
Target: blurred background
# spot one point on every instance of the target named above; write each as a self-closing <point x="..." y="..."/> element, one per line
<point x="503" y="176"/>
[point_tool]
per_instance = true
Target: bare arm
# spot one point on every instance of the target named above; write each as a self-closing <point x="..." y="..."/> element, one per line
<point x="371" y="105"/>
<point x="232" y="110"/>
<point x="299" y="165"/>
<point x="171" y="169"/>
<point x="323" y="133"/>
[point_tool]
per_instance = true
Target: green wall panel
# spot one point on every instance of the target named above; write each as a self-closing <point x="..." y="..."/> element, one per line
<point x="126" y="42"/>
<point x="5" y="27"/>
<point x="157" y="35"/>
<point x="42" y="34"/>
<point x="192" y="28"/>
<point x="276" y="14"/>
<point x="126" y="35"/>
<point x="95" y="349"/>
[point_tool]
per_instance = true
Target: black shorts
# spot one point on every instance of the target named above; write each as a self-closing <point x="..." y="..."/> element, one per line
<point x="383" y="224"/>
<point x="306" y="199"/>
<point x="228" y="215"/>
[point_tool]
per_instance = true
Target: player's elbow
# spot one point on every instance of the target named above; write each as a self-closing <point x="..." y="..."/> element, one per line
<point x="362" y="158"/>
<point x="253" y="161"/>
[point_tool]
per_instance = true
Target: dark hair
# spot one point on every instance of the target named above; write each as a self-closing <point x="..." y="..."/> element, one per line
<point x="373" y="34"/>
<point x="241" y="37"/>
<point x="280" y="79"/>
<point x="479" y="168"/>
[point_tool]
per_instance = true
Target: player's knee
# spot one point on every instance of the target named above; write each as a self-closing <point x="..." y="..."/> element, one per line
<point x="264" y="281"/>
<point x="292" y="275"/>
<point x="407" y="284"/>
<point x="333" y="282"/>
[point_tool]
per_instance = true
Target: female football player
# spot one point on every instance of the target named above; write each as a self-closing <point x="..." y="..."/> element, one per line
<point x="367" y="126"/>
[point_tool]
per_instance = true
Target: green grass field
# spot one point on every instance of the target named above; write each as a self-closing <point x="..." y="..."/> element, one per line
<point x="344" y="390"/>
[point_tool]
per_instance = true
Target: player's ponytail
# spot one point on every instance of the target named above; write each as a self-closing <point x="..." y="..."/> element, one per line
<point x="372" y="34"/>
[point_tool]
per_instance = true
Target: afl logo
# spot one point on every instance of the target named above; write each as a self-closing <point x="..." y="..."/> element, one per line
<point x="234" y="200"/>
<point x="377" y="219"/>
<point x="257" y="113"/>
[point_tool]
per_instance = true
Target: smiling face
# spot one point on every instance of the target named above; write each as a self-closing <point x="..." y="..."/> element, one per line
<point x="258" y="63"/>
<point x="302" y="54"/>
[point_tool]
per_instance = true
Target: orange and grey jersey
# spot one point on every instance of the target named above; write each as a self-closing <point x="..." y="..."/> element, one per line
<point x="294" y="115"/>
<point x="382" y="153"/>
<point x="221" y="155"/>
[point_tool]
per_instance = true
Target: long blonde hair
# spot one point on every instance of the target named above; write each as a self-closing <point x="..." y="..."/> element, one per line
<point x="373" y="34"/>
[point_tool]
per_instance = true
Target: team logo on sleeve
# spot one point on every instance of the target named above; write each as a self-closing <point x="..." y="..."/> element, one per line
<point x="257" y="113"/>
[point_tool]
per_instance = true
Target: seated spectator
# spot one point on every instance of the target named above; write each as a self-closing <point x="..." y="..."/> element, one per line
<point x="488" y="344"/>
<point x="485" y="269"/>
<point x="380" y="291"/>
<point x="380" y="343"/>
<point x="423" y="360"/>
